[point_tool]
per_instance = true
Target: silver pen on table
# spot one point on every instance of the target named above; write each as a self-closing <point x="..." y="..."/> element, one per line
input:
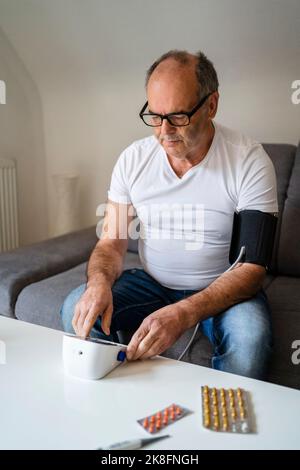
<point x="133" y="444"/>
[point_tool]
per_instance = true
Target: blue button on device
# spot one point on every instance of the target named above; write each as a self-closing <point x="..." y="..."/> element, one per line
<point x="121" y="356"/>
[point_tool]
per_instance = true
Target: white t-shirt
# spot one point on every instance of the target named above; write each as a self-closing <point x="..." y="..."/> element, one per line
<point x="186" y="223"/>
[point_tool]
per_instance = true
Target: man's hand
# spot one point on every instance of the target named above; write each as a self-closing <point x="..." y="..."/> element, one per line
<point x="96" y="301"/>
<point x="157" y="332"/>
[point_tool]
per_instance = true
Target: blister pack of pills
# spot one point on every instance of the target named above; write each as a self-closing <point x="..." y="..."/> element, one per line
<point x="226" y="410"/>
<point x="163" y="418"/>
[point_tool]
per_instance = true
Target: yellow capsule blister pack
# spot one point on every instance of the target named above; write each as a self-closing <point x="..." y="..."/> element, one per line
<point x="226" y="410"/>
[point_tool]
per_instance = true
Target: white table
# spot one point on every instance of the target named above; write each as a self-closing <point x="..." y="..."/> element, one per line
<point x="41" y="408"/>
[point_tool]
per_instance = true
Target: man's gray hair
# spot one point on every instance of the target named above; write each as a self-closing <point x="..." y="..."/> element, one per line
<point x="205" y="71"/>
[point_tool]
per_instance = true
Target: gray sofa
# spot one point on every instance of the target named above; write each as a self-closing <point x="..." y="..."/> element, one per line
<point x="34" y="280"/>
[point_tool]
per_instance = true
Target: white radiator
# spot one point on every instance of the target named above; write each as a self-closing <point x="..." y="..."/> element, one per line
<point x="9" y="232"/>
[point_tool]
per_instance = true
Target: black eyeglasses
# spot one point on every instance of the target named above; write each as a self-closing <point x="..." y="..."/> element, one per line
<point x="175" y="119"/>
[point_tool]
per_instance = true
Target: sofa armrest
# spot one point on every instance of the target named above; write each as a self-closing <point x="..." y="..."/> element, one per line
<point x="23" y="266"/>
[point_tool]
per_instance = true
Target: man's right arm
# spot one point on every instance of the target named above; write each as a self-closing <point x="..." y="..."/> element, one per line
<point x="104" y="267"/>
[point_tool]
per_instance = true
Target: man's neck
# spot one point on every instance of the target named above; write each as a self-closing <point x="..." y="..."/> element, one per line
<point x="181" y="166"/>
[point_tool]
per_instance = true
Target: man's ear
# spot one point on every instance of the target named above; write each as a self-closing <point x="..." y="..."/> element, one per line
<point x="213" y="104"/>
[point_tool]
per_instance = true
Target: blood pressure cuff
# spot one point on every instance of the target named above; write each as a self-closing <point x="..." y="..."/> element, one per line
<point x="255" y="230"/>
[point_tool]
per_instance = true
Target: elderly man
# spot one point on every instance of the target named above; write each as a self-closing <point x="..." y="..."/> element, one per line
<point x="197" y="168"/>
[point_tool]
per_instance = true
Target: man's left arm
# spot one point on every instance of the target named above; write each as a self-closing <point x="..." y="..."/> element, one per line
<point x="164" y="326"/>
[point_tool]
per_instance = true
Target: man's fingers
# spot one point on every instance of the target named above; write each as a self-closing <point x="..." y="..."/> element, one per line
<point x="153" y="350"/>
<point x="78" y="325"/>
<point x="141" y="341"/>
<point x="145" y="345"/>
<point x="75" y="317"/>
<point x="91" y="318"/>
<point x="85" y="317"/>
<point x="134" y="342"/>
<point x="81" y="320"/>
<point x="106" y="319"/>
<point x="89" y="321"/>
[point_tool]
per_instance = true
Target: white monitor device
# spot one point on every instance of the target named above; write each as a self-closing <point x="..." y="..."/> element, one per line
<point x="91" y="358"/>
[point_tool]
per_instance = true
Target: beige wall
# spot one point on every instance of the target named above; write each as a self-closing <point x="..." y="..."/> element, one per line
<point x="88" y="60"/>
<point x="22" y="138"/>
<point x="99" y="133"/>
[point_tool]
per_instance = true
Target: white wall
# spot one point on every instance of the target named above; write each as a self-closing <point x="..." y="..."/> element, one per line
<point x="21" y="138"/>
<point x="88" y="59"/>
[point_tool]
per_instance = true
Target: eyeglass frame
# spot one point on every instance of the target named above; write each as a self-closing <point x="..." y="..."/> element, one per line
<point x="189" y="114"/>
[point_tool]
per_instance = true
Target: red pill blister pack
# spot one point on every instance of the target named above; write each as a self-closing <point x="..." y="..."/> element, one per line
<point x="163" y="418"/>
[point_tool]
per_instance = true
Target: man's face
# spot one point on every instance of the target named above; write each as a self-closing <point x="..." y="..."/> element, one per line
<point x="173" y="88"/>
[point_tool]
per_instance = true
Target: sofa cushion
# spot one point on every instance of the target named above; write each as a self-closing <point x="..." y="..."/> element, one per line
<point x="283" y="157"/>
<point x="31" y="264"/>
<point x="40" y="302"/>
<point x="284" y="299"/>
<point x="288" y="251"/>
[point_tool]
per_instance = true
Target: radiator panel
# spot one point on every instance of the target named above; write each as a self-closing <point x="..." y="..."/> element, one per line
<point x="9" y="230"/>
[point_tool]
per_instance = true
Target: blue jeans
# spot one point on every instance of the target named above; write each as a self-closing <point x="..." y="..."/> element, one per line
<point x="241" y="335"/>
